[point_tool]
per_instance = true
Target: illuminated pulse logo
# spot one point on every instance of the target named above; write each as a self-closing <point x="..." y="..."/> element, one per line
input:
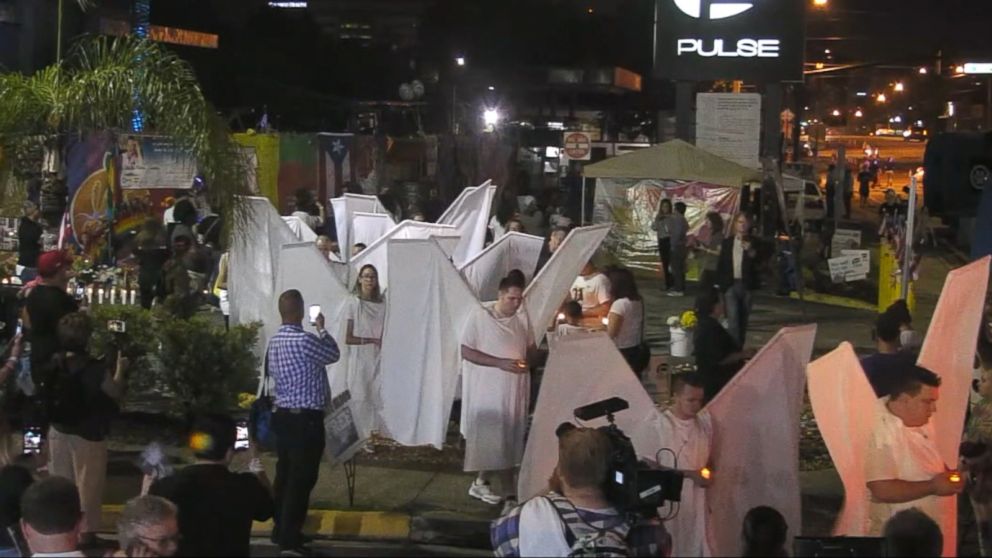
<point x="713" y="9"/>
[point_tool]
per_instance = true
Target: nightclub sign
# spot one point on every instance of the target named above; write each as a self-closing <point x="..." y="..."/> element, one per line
<point x="757" y="40"/>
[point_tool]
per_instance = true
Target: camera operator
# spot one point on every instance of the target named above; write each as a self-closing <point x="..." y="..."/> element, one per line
<point x="575" y="514"/>
<point x="82" y="396"/>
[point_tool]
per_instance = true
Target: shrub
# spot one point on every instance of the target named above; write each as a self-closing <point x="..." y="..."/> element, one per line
<point x="196" y="361"/>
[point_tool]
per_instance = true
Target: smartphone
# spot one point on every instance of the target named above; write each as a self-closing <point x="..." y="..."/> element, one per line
<point x="117" y="326"/>
<point x="32" y="440"/>
<point x="314" y="312"/>
<point x="241" y="441"/>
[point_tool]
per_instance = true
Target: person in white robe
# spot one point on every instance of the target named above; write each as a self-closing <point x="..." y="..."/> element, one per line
<point x="495" y="391"/>
<point x="365" y="315"/>
<point x="903" y="466"/>
<point x="687" y="431"/>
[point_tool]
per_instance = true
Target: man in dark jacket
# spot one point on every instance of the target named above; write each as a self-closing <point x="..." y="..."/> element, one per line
<point x="737" y="276"/>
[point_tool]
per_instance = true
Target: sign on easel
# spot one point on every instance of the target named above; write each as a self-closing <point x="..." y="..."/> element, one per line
<point x="343" y="440"/>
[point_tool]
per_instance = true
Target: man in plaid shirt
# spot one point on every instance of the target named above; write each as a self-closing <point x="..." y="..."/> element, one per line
<point x="297" y="361"/>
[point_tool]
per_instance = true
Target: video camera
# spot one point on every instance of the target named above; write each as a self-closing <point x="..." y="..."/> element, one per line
<point x="632" y="486"/>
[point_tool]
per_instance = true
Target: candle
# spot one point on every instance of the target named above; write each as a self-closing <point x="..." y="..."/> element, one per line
<point x="606" y="321"/>
<point x="89" y="295"/>
<point x="113" y="295"/>
<point x="706" y="473"/>
<point x="131" y="293"/>
<point x="99" y="296"/>
<point x="561" y="317"/>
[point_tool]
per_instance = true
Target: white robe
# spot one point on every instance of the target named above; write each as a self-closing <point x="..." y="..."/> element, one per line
<point x="494" y="402"/>
<point x="363" y="363"/>
<point x="691" y="441"/>
<point x="896" y="451"/>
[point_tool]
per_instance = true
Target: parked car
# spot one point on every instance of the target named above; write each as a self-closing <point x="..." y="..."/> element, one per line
<point x="814" y="209"/>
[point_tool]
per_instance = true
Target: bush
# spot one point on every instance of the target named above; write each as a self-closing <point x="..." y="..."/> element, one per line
<point x="195" y="361"/>
<point x="203" y="365"/>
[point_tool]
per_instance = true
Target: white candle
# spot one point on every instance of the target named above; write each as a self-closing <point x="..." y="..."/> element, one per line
<point x="99" y="296"/>
<point x="113" y="295"/>
<point x="89" y="295"/>
<point x="132" y="292"/>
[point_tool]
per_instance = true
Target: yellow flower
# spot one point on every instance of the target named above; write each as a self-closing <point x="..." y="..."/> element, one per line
<point x="688" y="319"/>
<point x="245" y="400"/>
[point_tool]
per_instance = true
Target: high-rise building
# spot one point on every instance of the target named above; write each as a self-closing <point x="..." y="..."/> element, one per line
<point x="370" y="22"/>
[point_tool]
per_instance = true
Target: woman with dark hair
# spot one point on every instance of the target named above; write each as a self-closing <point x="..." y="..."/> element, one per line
<point x="718" y="356"/>
<point x="910" y="340"/>
<point x="625" y="320"/>
<point x="366" y="316"/>
<point x="661" y="226"/>
<point x="710" y="250"/>
<point x="764" y="533"/>
<point x="14" y="481"/>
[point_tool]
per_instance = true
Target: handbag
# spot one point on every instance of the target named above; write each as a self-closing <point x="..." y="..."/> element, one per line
<point x="260" y="415"/>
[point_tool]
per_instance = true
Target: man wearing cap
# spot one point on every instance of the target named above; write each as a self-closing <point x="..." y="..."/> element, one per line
<point x="29" y="234"/>
<point x="46" y="304"/>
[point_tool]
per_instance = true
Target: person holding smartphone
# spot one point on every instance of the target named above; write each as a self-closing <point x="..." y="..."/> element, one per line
<point x="297" y="362"/>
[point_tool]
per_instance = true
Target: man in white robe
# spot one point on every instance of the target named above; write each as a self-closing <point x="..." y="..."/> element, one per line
<point x="903" y="466"/>
<point x="495" y="391"/>
<point x="687" y="431"/>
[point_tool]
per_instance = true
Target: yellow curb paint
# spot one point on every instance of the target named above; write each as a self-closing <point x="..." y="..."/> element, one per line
<point x="835" y="301"/>
<point x="327" y="523"/>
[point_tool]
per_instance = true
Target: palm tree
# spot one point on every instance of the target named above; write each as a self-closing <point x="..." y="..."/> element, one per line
<point x="97" y="87"/>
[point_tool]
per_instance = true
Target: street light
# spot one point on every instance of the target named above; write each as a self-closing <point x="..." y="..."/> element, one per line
<point x="923" y="71"/>
<point x="490" y="117"/>
<point x="460" y="60"/>
<point x="880" y="98"/>
<point x="899" y="87"/>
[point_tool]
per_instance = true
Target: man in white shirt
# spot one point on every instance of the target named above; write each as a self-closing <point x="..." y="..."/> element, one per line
<point x="592" y="289"/>
<point x="496" y="390"/>
<point x="687" y="430"/>
<point x="51" y="518"/>
<point x="903" y="466"/>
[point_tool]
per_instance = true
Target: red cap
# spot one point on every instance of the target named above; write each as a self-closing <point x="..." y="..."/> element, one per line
<point x="50" y="263"/>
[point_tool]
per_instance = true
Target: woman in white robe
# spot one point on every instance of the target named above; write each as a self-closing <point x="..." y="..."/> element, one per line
<point x="365" y="315"/>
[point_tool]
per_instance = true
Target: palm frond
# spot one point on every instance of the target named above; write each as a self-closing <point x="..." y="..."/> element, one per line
<point x="99" y="85"/>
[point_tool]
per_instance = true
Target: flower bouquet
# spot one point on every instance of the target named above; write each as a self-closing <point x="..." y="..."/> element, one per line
<point x="680" y="332"/>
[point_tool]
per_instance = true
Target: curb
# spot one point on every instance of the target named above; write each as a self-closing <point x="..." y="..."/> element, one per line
<point x="833" y="300"/>
<point x="372" y="525"/>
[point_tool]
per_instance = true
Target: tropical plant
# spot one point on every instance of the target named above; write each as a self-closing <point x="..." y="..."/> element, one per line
<point x="99" y="86"/>
<point x="205" y="366"/>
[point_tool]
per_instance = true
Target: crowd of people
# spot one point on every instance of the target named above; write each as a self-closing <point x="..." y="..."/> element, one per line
<point x="207" y="509"/>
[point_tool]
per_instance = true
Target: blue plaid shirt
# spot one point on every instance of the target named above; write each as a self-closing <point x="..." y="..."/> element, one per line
<point x="297" y="363"/>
